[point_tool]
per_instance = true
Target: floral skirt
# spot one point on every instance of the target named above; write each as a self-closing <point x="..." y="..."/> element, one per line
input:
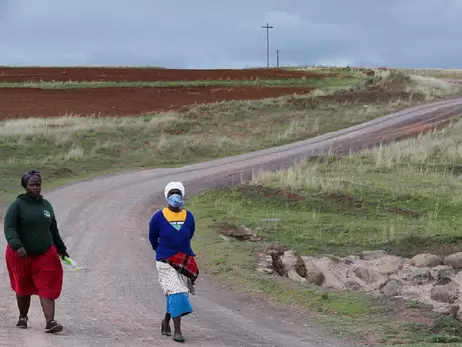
<point x="175" y="288"/>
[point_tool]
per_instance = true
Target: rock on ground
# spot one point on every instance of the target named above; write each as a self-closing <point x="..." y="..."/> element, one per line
<point x="445" y="290"/>
<point x="390" y="264"/>
<point x="427" y="278"/>
<point x="293" y="263"/>
<point x="454" y="260"/>
<point x="426" y="260"/>
<point x="391" y="288"/>
<point x="421" y="276"/>
<point x="313" y="274"/>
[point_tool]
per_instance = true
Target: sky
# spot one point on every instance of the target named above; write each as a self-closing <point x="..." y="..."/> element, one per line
<point x="228" y="34"/>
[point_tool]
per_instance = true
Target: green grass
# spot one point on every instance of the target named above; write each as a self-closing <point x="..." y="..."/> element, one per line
<point x="342" y="205"/>
<point x="296" y="82"/>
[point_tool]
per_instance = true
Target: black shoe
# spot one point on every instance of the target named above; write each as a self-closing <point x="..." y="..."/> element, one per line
<point x="165" y="328"/>
<point x="53" y="327"/>
<point x="22" y="323"/>
<point x="178" y="337"/>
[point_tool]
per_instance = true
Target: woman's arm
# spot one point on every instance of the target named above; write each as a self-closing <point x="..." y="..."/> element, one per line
<point x="192" y="227"/>
<point x="11" y="226"/>
<point x="154" y="231"/>
<point x="57" y="240"/>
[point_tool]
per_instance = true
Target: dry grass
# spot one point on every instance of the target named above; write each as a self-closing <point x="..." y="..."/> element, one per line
<point x="403" y="197"/>
<point x="420" y="174"/>
<point x="295" y="82"/>
<point x="437" y="73"/>
<point x="70" y="147"/>
<point x="428" y="72"/>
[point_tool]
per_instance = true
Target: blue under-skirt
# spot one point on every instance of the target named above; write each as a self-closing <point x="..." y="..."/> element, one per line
<point x="178" y="305"/>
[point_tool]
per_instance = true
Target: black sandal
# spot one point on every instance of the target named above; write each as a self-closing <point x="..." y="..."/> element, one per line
<point x="22" y="323"/>
<point x="177" y="337"/>
<point x="165" y="328"/>
<point x="53" y="327"/>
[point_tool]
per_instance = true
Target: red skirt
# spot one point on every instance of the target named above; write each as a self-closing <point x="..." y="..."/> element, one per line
<point x="35" y="275"/>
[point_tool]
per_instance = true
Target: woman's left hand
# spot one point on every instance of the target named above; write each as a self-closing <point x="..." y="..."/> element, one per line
<point x="64" y="255"/>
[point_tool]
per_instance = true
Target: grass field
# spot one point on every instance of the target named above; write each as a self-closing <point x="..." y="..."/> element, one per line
<point x="295" y="82"/>
<point x="52" y="92"/>
<point x="342" y="205"/>
<point x="73" y="147"/>
<point x="437" y="73"/>
<point x="429" y="72"/>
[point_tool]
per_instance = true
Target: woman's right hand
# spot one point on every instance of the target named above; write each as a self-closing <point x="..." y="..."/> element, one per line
<point x="21" y="252"/>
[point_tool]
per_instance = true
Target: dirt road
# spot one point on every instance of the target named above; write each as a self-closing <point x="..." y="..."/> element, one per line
<point x="117" y="300"/>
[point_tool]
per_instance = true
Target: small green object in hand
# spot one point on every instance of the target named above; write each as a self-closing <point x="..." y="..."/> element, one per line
<point x="72" y="263"/>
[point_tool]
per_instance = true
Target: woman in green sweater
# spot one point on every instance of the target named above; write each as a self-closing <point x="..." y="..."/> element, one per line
<point x="33" y="251"/>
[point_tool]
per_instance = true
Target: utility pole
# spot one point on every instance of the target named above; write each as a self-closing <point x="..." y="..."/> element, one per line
<point x="267" y="27"/>
<point x="277" y="57"/>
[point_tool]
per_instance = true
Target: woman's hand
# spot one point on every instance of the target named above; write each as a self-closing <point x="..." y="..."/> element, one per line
<point x="63" y="255"/>
<point x="21" y="252"/>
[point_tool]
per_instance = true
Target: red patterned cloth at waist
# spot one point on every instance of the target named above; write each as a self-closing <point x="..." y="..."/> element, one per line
<point x="185" y="265"/>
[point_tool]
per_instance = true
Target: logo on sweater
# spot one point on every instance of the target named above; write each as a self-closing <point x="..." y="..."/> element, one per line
<point x="177" y="225"/>
<point x="46" y="213"/>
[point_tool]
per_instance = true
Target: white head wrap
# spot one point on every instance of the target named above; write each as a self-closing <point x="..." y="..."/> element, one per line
<point x="174" y="185"/>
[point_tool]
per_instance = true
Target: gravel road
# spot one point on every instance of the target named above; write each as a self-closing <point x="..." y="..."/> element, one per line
<point x="117" y="301"/>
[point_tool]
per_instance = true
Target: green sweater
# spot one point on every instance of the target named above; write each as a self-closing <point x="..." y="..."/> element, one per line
<point x="30" y="223"/>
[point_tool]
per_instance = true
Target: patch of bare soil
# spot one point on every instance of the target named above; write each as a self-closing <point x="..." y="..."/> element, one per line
<point x="120" y="101"/>
<point x="405" y="212"/>
<point x="340" y="199"/>
<point x="261" y="191"/>
<point x="114" y="74"/>
<point x="237" y="232"/>
<point x="337" y="199"/>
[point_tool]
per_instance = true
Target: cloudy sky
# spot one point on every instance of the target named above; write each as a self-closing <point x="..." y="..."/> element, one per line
<point x="228" y="34"/>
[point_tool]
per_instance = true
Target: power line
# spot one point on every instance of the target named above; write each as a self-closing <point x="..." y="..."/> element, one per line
<point x="267" y="27"/>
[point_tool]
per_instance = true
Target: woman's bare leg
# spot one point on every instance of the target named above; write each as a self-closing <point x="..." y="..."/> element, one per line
<point x="48" y="306"/>
<point x="23" y="307"/>
<point x="177" y="335"/>
<point x="166" y="325"/>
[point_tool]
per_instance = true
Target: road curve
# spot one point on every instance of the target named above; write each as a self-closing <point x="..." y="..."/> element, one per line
<point x="117" y="301"/>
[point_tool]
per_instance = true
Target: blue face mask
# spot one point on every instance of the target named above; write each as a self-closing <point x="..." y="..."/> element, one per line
<point x="175" y="200"/>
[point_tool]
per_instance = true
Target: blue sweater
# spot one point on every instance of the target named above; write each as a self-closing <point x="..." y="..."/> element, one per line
<point x="172" y="235"/>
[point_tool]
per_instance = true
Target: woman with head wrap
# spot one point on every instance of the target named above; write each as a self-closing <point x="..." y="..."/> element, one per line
<point x="33" y="251"/>
<point x="170" y="232"/>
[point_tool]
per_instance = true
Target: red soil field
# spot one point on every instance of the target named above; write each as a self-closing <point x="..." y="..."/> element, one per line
<point x="115" y="101"/>
<point x="26" y="74"/>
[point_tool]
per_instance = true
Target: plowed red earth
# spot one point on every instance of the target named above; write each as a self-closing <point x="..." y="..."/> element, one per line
<point x="26" y="74"/>
<point x="31" y="102"/>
